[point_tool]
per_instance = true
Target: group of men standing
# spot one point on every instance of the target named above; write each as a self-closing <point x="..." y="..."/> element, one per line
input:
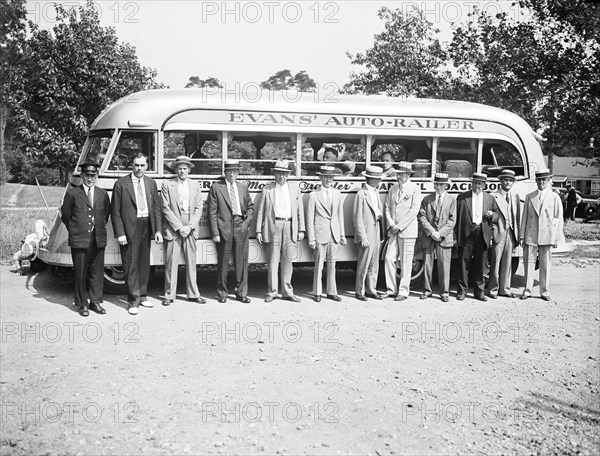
<point x="475" y="221"/>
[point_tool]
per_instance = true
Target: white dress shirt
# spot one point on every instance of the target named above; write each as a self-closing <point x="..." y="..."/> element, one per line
<point x="283" y="201"/>
<point x="237" y="210"/>
<point x="477" y="208"/>
<point x="184" y="196"/>
<point x="136" y="189"/>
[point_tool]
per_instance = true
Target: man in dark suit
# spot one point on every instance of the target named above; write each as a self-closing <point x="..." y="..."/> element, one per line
<point x="280" y="225"/>
<point x="476" y="210"/>
<point x="136" y="218"/>
<point x="85" y="211"/>
<point x="437" y="218"/>
<point x="230" y="212"/>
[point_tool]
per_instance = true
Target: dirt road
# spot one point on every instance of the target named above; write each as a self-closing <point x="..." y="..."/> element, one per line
<point x="500" y="377"/>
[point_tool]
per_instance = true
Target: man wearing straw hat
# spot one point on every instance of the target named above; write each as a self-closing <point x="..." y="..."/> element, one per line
<point x="401" y="209"/>
<point x="280" y="225"/>
<point x="437" y="217"/>
<point x="181" y="209"/>
<point x="230" y="212"/>
<point x="476" y="210"/>
<point x="368" y="221"/>
<point x="325" y="228"/>
<point x="541" y="228"/>
<point x="505" y="236"/>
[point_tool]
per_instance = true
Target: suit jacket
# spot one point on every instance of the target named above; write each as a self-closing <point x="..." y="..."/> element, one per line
<point x="402" y="209"/>
<point x="499" y="228"/>
<point x="322" y="221"/>
<point x="124" y="207"/>
<point x="542" y="226"/>
<point x="220" y="213"/>
<point x="464" y="217"/>
<point x="79" y="217"/>
<point x="365" y="221"/>
<point x="171" y="210"/>
<point x="443" y="222"/>
<point x="265" y="221"/>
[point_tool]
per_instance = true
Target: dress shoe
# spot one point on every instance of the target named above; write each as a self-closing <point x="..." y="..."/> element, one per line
<point x="269" y="298"/>
<point x="511" y="295"/>
<point x="83" y="311"/>
<point x="374" y="296"/>
<point x="199" y="300"/>
<point x="481" y="298"/>
<point x="222" y="300"/>
<point x="292" y="298"/>
<point x="460" y="297"/>
<point x="400" y="298"/>
<point x="97" y="308"/>
<point x="546" y="297"/>
<point x="334" y="298"/>
<point x="493" y="296"/>
<point x="424" y="296"/>
<point x="244" y="299"/>
<point x="133" y="310"/>
<point x="361" y="297"/>
<point x="525" y="296"/>
<point x="317" y="298"/>
<point x="166" y="302"/>
<point x="445" y="298"/>
<point x="146" y="303"/>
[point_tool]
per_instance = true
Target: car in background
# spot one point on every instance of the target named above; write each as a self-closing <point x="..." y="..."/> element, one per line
<point x="587" y="209"/>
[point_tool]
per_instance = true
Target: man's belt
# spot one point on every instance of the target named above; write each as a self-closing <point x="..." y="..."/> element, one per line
<point x="283" y="219"/>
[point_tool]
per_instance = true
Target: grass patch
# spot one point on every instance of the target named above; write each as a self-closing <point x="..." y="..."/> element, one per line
<point x="15" y="224"/>
<point x="583" y="231"/>
<point x="17" y="195"/>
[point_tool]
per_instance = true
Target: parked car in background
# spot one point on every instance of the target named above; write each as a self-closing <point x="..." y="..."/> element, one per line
<point x="587" y="209"/>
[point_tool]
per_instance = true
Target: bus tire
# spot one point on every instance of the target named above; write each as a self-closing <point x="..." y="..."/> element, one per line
<point x="114" y="280"/>
<point x="61" y="274"/>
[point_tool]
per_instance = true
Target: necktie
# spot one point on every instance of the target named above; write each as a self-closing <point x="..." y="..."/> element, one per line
<point x="438" y="206"/>
<point x="509" y="210"/>
<point x="141" y="201"/>
<point x="90" y="196"/>
<point x="233" y="199"/>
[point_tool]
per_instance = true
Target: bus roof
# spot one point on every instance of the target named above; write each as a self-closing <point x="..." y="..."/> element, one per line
<point x="151" y="108"/>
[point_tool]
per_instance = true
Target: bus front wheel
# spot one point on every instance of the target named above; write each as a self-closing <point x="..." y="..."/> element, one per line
<point x="114" y="280"/>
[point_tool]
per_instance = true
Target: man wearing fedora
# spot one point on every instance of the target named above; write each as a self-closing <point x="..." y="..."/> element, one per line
<point x="280" y="225"/>
<point x="540" y="230"/>
<point x="437" y="217"/>
<point x="476" y="210"/>
<point x="401" y="209"/>
<point x="368" y="220"/>
<point x="505" y="236"/>
<point x="181" y="209"/>
<point x="230" y="212"/>
<point x="85" y="211"/>
<point x="136" y="219"/>
<point x="325" y="229"/>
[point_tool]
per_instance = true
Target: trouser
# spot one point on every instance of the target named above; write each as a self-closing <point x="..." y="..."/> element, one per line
<point x="325" y="253"/>
<point x="88" y="265"/>
<point x="471" y="257"/>
<point x="399" y="251"/>
<point x="529" y="254"/>
<point x="135" y="256"/>
<point x="238" y="245"/>
<point x="367" y="267"/>
<point x="444" y="261"/>
<point x="173" y="249"/>
<point x="501" y="265"/>
<point x="282" y="252"/>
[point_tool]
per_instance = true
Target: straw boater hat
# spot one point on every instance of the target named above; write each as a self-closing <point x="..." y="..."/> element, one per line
<point x="374" y="172"/>
<point x="326" y="171"/>
<point x="282" y="165"/>
<point x="403" y="168"/>
<point x="543" y="173"/>
<point x="183" y="160"/>
<point x="478" y="177"/>
<point x="89" y="167"/>
<point x="507" y="174"/>
<point x="440" y="178"/>
<point x="232" y="165"/>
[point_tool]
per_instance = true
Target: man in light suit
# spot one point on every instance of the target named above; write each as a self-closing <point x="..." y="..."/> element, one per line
<point x="505" y="236"/>
<point x="368" y="221"/>
<point x="136" y="218"/>
<point x="181" y="209"/>
<point x="476" y="210"/>
<point x="230" y="212"/>
<point x="325" y="228"/>
<point x="280" y="225"/>
<point x="437" y="217"/>
<point x="541" y="228"/>
<point x="401" y="209"/>
<point x="85" y="211"/>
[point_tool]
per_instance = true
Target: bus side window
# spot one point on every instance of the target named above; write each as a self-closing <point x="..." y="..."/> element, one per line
<point x="346" y="154"/>
<point x="203" y="147"/>
<point x="499" y="155"/>
<point x="388" y="151"/>
<point x="459" y="157"/>
<point x="257" y="152"/>
<point x="130" y="144"/>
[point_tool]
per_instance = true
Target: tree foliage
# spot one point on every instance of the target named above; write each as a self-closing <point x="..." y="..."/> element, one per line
<point x="283" y="80"/>
<point x="196" y="82"/>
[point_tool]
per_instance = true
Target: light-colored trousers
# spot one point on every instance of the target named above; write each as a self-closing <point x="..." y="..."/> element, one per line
<point x="325" y="252"/>
<point x="399" y="251"/>
<point x="501" y="265"/>
<point x="444" y="260"/>
<point x="282" y="251"/>
<point x="529" y="255"/>
<point x="367" y="268"/>
<point x="172" y="251"/>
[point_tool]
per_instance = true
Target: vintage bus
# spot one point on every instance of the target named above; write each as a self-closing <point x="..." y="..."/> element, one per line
<point x="257" y="128"/>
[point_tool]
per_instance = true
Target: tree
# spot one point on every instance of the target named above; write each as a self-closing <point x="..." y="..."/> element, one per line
<point x="283" y="80"/>
<point x="195" y="81"/>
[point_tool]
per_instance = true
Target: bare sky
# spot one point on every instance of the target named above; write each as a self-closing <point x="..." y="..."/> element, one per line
<point x="245" y="42"/>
